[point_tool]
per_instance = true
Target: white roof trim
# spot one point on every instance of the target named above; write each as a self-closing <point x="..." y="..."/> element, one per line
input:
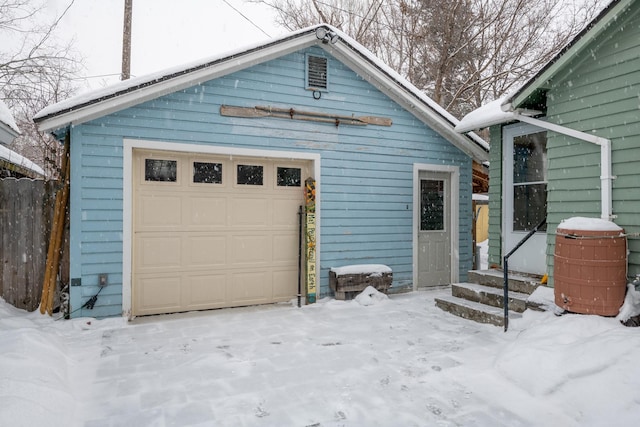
<point x="404" y="93"/>
<point x="120" y="95"/>
<point x="127" y="93"/>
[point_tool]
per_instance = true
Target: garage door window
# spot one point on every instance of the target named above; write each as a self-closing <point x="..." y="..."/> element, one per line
<point x="160" y="170"/>
<point x="250" y="175"/>
<point x="207" y="173"/>
<point x="289" y="177"/>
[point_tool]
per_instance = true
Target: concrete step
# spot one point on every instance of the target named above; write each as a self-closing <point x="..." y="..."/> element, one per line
<point x="518" y="282"/>
<point x="475" y="311"/>
<point x="489" y="295"/>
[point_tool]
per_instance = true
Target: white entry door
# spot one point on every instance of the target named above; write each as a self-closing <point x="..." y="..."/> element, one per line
<point x="434" y="229"/>
<point x="525" y="196"/>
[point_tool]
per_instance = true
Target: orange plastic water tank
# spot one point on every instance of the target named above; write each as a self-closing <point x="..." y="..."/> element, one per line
<point x="590" y="270"/>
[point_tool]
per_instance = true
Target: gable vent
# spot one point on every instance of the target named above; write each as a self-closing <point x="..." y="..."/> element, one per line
<point x="316" y="72"/>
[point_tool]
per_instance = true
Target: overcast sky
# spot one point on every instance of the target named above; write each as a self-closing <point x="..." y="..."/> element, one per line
<point x="165" y="32"/>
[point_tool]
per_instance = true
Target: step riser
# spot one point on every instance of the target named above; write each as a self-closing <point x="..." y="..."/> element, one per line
<point x="497" y="281"/>
<point x="478" y="300"/>
<point x="469" y="313"/>
<point x="493" y="300"/>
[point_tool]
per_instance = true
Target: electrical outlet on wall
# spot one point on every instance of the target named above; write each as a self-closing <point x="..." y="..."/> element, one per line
<point x="103" y="279"/>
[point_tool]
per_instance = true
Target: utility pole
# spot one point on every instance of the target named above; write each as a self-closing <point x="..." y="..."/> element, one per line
<point x="126" y="41"/>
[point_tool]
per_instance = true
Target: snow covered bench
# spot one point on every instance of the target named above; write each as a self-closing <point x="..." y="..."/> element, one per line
<point x="348" y="281"/>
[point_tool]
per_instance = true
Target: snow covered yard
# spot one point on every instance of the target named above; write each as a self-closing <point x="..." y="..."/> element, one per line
<point x="374" y="362"/>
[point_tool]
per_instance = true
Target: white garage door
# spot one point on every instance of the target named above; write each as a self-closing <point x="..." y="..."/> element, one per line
<point x="214" y="231"/>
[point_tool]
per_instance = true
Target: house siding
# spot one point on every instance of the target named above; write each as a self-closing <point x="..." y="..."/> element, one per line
<point x="598" y="92"/>
<point x="366" y="189"/>
<point x="495" y="197"/>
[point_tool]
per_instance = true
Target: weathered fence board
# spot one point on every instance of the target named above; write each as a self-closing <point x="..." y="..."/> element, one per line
<point x="25" y="220"/>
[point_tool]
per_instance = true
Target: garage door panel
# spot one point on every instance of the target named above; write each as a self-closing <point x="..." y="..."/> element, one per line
<point x="159" y="210"/>
<point x="158" y="294"/>
<point x="207" y="290"/>
<point x="207" y="251"/>
<point x="250" y="249"/>
<point x="285" y="212"/>
<point x="249" y="212"/>
<point x="208" y="211"/>
<point x="251" y="287"/>
<point x="159" y="252"/>
<point x="285" y="284"/>
<point x="285" y="247"/>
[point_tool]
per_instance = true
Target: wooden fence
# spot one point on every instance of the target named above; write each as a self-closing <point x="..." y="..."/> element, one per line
<point x="26" y="207"/>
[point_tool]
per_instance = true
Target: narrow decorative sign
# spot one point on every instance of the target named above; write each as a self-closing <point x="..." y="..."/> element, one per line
<point x="310" y="238"/>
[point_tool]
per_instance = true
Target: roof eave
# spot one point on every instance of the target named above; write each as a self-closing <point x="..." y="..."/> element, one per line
<point x="344" y="51"/>
<point x="406" y="97"/>
<point x="171" y="83"/>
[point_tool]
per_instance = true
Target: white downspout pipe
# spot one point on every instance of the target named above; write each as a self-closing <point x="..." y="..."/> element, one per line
<point x="606" y="177"/>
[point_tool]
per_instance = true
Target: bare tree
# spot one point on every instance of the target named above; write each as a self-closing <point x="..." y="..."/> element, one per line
<point x="36" y="69"/>
<point x="462" y="53"/>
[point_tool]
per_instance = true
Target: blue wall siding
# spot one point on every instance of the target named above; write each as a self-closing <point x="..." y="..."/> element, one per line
<point x="366" y="177"/>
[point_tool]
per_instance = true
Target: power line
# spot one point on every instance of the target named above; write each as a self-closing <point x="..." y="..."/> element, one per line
<point x="249" y="20"/>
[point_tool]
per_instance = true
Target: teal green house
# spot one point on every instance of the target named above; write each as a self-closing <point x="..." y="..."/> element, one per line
<point x="567" y="144"/>
<point x="186" y="185"/>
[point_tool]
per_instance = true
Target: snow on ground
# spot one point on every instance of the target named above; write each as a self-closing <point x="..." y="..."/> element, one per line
<point x="374" y="361"/>
<point x="484" y="254"/>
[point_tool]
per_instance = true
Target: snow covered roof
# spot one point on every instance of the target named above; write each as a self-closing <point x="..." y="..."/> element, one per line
<point x="502" y="110"/>
<point x="98" y="103"/>
<point x="487" y="115"/>
<point x="8" y="127"/>
<point x="24" y="165"/>
<point x="8" y="132"/>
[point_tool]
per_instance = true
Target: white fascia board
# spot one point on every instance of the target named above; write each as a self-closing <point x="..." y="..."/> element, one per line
<point x="153" y="91"/>
<point x="402" y="96"/>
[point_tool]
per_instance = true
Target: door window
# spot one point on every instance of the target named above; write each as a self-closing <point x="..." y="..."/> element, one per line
<point x="432" y="205"/>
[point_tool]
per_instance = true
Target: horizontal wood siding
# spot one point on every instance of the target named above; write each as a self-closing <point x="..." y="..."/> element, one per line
<point x="599" y="93"/>
<point x="495" y="197"/>
<point x="366" y="183"/>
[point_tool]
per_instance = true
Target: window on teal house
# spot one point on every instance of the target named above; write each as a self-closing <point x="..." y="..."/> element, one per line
<point x="529" y="180"/>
